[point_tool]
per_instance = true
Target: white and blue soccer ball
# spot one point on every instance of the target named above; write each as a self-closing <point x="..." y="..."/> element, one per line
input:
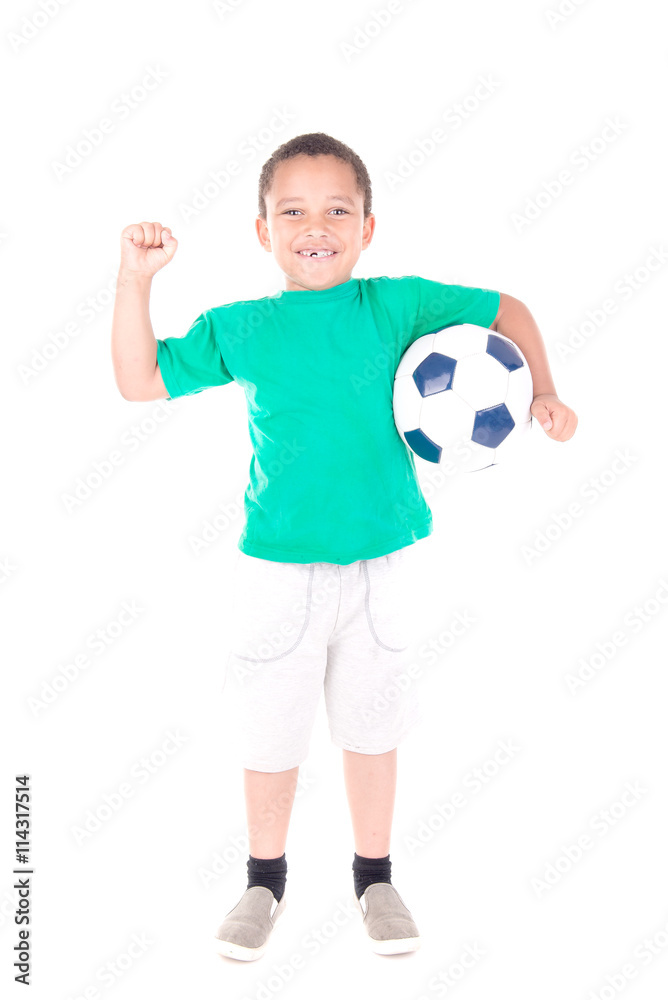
<point x="462" y="397"/>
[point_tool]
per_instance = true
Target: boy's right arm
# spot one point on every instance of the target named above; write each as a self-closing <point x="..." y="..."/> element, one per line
<point x="145" y="248"/>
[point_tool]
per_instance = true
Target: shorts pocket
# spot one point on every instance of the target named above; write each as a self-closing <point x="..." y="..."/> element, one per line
<point x="387" y="608"/>
<point x="271" y="608"/>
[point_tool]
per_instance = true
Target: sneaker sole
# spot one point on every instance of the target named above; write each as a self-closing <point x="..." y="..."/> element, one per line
<point x="229" y="950"/>
<point x="395" y="947"/>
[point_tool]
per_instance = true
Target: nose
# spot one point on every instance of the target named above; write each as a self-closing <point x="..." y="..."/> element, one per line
<point x="317" y="228"/>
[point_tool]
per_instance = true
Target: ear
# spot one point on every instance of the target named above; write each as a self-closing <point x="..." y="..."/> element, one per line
<point x="262" y="231"/>
<point x="368" y="230"/>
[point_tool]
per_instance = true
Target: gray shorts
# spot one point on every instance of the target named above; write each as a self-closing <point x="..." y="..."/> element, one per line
<point x="302" y="627"/>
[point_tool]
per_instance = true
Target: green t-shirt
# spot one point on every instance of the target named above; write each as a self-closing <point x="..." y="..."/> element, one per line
<point x="331" y="480"/>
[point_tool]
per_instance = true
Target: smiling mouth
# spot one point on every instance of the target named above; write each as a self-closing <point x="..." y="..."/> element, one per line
<point x="317" y="254"/>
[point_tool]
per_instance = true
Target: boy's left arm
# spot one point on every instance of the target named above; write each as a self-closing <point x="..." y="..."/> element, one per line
<point x="514" y="321"/>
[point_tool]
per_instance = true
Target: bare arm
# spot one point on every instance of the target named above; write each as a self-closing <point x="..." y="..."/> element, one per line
<point x="513" y="320"/>
<point x="145" y="248"/>
<point x="133" y="347"/>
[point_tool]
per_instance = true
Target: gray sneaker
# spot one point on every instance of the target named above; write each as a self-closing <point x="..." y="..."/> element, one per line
<point x="245" y="930"/>
<point x="388" y="923"/>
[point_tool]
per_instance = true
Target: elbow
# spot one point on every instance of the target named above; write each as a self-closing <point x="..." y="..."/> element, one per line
<point x="128" y="395"/>
<point x="123" y="385"/>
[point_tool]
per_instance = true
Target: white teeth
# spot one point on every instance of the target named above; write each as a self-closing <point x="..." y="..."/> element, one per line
<point x="316" y="253"/>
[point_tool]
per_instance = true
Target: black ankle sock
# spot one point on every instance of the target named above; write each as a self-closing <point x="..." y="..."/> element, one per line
<point x="270" y="872"/>
<point x="368" y="870"/>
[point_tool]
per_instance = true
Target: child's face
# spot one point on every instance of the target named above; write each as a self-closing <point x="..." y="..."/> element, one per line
<point x="314" y="203"/>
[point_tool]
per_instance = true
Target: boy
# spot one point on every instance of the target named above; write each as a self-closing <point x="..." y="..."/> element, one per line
<point x="320" y="567"/>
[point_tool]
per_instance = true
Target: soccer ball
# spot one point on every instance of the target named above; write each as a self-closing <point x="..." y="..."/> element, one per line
<point x="462" y="397"/>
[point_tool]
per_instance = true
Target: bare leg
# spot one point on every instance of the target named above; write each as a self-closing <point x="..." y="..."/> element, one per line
<point x="371" y="781"/>
<point x="269" y="799"/>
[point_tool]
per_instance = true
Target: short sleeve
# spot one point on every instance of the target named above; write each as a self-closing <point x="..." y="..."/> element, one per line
<point x="439" y="305"/>
<point x="193" y="362"/>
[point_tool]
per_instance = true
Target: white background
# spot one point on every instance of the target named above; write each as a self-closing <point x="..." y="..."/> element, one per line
<point x="67" y="573"/>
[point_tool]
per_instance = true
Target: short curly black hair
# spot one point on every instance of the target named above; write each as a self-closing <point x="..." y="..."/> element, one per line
<point x="314" y="144"/>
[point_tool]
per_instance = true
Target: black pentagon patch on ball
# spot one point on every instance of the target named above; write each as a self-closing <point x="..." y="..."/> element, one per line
<point x="503" y="352"/>
<point x="423" y="445"/>
<point x="492" y="426"/>
<point x="434" y="373"/>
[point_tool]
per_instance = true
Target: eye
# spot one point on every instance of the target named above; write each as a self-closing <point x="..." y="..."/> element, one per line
<point x="289" y="211"/>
